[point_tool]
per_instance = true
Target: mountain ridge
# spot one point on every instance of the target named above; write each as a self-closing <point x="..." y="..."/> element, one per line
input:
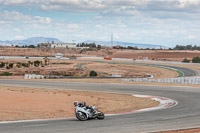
<point x="30" y="41"/>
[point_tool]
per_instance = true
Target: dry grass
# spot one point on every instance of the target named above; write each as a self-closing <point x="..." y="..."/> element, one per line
<point x="131" y="70"/>
<point x="17" y="103"/>
<point x="70" y="69"/>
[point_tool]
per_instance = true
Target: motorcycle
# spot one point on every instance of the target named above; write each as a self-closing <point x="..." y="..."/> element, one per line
<point x="84" y="112"/>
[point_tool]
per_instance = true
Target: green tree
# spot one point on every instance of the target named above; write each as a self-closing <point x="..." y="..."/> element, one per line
<point x="98" y="46"/>
<point x="185" y="60"/>
<point x="196" y="59"/>
<point x="18" y="64"/>
<point x="46" y="61"/>
<point x="2" y="64"/>
<point x="93" y="74"/>
<point x="5" y="74"/>
<point x="36" y="63"/>
<point x="31" y="46"/>
<point x="25" y="65"/>
<point x="11" y="65"/>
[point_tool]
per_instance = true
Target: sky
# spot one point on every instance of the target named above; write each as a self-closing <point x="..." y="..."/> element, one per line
<point x="162" y="22"/>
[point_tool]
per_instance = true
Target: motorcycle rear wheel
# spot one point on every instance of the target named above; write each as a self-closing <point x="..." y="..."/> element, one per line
<point x="81" y="116"/>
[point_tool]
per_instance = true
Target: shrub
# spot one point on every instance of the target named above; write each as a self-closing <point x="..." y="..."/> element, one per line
<point x="93" y="73"/>
<point x="25" y="64"/>
<point x="196" y="59"/>
<point x="185" y="60"/>
<point x="2" y="64"/>
<point x="30" y="63"/>
<point x="18" y="65"/>
<point x="11" y="65"/>
<point x="6" y="74"/>
<point x="36" y="63"/>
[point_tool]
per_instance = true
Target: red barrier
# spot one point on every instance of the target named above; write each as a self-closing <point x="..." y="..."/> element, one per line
<point x="107" y="58"/>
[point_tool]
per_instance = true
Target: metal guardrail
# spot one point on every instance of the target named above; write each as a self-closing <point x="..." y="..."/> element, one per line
<point x="92" y="77"/>
<point x="181" y="80"/>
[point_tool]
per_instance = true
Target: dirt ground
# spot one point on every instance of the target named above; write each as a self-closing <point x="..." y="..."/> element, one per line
<point x="69" y="68"/>
<point x="18" y="103"/>
<point x="131" y="70"/>
<point x="163" y="55"/>
<point x="8" y="51"/>
<point x="167" y="55"/>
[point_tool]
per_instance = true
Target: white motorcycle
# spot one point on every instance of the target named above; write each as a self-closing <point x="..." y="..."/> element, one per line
<point x="84" y="112"/>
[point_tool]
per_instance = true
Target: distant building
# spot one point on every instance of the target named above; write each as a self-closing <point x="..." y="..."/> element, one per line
<point x="57" y="45"/>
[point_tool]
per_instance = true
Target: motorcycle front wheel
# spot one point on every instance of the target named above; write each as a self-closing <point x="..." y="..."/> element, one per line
<point x="81" y="116"/>
<point x="100" y="115"/>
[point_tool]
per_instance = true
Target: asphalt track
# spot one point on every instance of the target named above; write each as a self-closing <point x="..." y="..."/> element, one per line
<point x="185" y="115"/>
<point x="186" y="71"/>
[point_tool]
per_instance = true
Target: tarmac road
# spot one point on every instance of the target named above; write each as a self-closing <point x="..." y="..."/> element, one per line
<point x="185" y="115"/>
<point x="186" y="71"/>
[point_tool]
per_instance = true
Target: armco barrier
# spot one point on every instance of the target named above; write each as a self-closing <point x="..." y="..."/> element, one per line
<point x="99" y="58"/>
<point x="105" y="58"/>
<point x="181" y="80"/>
<point x="123" y="59"/>
<point x="33" y="76"/>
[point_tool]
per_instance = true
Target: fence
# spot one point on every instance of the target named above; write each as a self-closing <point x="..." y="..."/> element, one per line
<point x="180" y="80"/>
<point x="33" y="76"/>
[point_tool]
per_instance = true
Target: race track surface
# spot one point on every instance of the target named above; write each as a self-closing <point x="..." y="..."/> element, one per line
<point x="186" y="71"/>
<point x="185" y="115"/>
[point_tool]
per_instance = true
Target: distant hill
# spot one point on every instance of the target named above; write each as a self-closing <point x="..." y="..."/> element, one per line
<point x="114" y="43"/>
<point x="30" y="41"/>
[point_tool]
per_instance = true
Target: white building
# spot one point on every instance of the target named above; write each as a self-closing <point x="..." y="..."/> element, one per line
<point x="57" y="45"/>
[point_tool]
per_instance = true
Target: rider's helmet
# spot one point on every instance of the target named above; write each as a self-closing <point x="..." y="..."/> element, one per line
<point x="75" y="103"/>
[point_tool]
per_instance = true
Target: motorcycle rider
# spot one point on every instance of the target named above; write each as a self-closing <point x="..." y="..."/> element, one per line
<point x="83" y="104"/>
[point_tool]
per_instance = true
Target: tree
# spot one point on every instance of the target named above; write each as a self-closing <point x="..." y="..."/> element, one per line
<point x="25" y="65"/>
<point x="19" y="64"/>
<point x="46" y="61"/>
<point x="29" y="63"/>
<point x="185" y="60"/>
<point x="36" y="63"/>
<point x="93" y="74"/>
<point x="31" y="46"/>
<point x="135" y="47"/>
<point x="187" y="47"/>
<point x="2" y="64"/>
<point x="99" y="46"/>
<point x="196" y="59"/>
<point x="11" y="65"/>
<point x="5" y="74"/>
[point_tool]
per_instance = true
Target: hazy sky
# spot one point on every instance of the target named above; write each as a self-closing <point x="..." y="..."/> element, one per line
<point x="165" y="22"/>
